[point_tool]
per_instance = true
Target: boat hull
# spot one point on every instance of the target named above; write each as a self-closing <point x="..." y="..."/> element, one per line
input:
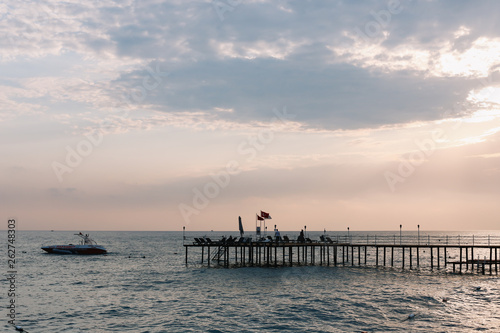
<point x="75" y="249"/>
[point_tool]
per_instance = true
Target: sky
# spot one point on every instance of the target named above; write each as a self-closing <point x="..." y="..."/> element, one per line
<point x="159" y="115"/>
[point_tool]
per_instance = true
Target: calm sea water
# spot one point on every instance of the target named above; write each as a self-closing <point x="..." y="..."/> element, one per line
<point x="158" y="293"/>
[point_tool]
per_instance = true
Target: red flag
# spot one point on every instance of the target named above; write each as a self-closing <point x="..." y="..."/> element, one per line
<point x="265" y="215"/>
<point x="259" y="218"/>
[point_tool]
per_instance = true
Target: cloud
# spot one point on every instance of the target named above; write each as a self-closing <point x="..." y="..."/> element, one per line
<point x="300" y="54"/>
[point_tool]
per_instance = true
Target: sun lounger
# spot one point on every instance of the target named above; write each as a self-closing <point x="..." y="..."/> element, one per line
<point x="329" y="240"/>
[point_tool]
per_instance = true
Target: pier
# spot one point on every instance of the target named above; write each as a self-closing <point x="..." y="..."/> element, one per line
<point x="455" y="254"/>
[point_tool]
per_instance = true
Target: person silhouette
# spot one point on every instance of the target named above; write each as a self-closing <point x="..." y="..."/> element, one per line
<point x="301" y="238"/>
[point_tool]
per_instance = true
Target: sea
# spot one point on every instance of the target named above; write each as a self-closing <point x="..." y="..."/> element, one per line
<point x="144" y="285"/>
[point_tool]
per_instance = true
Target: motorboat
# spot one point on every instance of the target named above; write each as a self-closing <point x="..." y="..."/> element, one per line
<point x="87" y="246"/>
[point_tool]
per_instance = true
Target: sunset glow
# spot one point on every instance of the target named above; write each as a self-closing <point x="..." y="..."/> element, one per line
<point x="158" y="115"/>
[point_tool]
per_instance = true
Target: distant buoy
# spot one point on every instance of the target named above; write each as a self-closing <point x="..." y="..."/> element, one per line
<point x="445" y="299"/>
<point x="478" y="288"/>
<point x="411" y="316"/>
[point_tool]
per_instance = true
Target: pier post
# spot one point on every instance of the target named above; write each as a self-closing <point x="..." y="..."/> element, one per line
<point x="496" y="261"/>
<point x="461" y="260"/>
<point x="312" y="254"/>
<point x="186" y="255"/>
<point x="328" y="255"/>
<point x="202" y="253"/>
<point x="283" y="255"/>
<point x="276" y="255"/>
<point x="259" y="254"/>
<point x="352" y="255"/>
<point x="325" y="254"/>
<point x="392" y="256"/>
<point x="410" y="259"/>
<point x="359" y="255"/>
<point x="472" y="257"/>
<point x="384" y="255"/>
<point x="437" y="249"/>
<point x="250" y="255"/>
<point x="343" y="255"/>
<point x="445" y="256"/>
<point x="376" y="256"/>
<point x="321" y="250"/>
<point x="208" y="255"/>
<point x="432" y="258"/>
<point x="244" y="256"/>
<point x="312" y="250"/>
<point x="418" y="256"/>
<point x="268" y="254"/>
<point x="467" y="260"/>
<point x="335" y="256"/>
<point x="403" y="257"/>
<point x="365" y="253"/>
<point x="491" y="258"/>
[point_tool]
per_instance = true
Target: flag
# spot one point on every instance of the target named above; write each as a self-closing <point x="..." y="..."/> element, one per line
<point x="259" y="218"/>
<point x="265" y="215"/>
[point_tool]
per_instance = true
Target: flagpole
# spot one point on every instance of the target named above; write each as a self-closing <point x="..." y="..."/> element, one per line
<point x="260" y="225"/>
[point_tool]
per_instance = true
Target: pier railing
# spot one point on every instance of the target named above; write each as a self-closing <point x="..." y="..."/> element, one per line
<point x="459" y="240"/>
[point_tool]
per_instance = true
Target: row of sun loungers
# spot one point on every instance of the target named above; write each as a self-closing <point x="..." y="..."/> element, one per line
<point x="268" y="239"/>
<point x="208" y="241"/>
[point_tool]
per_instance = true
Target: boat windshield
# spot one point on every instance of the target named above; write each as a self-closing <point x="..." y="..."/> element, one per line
<point x="86" y="240"/>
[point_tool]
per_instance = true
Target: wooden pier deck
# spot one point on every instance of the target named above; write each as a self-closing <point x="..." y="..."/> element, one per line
<point x="446" y="254"/>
